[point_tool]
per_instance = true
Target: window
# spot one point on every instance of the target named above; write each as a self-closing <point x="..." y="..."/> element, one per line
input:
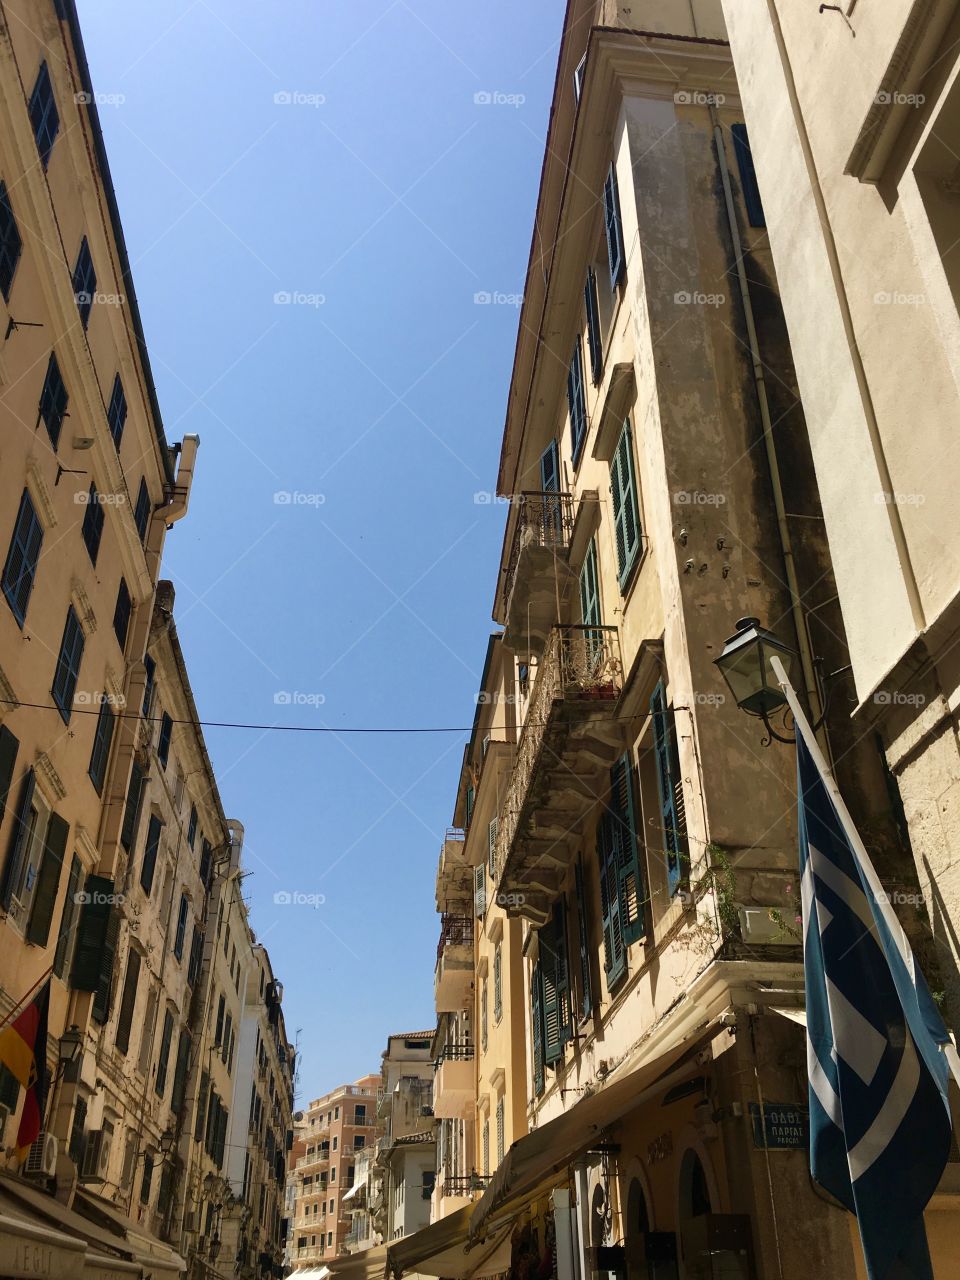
<point x="670" y="787"/>
<point x="748" y="175"/>
<point x="141" y="512"/>
<point x="486" y="1148"/>
<point x="92" y="528"/>
<point x="117" y="411"/>
<point x="576" y="402"/>
<point x="68" y="920"/>
<point x="53" y="400"/>
<point x="68" y="665"/>
<point x="621" y="879"/>
<point x="429" y="1182"/>
<point x="492" y="847"/>
<point x="583" y="939"/>
<point x="196" y="955"/>
<point x="221" y="1008"/>
<point x="359" y="1140"/>
<point x="150" y="667"/>
<point x="102" y="738"/>
<point x="554" y="967"/>
<point x="44" y="116"/>
<point x="483" y="1015"/>
<point x="594" y="339"/>
<point x="128" y="1001"/>
<point x="500" y="1130"/>
<point x="163" y="743"/>
<point x="20" y="569"/>
<point x="131" y="812"/>
<point x="84" y="282"/>
<point x="589" y="588"/>
<point x="192" y="826"/>
<point x="150" y="850"/>
<point x="335" y="1142"/>
<point x="360" y="1114"/>
<point x="480" y="891"/>
<point x="160" y="1084"/>
<point x="626" y="516"/>
<point x="181" y="933"/>
<point x="147" y="1178"/>
<point x="614" y="227"/>
<point x="497" y="982"/>
<point x="10" y="243"/>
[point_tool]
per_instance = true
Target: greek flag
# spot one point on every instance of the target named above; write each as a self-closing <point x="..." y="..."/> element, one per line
<point x="879" y="1117"/>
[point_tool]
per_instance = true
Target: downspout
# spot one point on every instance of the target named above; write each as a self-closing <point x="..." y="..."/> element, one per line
<point x="783" y="529"/>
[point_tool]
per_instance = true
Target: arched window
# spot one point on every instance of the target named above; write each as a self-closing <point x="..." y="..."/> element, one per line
<point x="694" y="1189"/>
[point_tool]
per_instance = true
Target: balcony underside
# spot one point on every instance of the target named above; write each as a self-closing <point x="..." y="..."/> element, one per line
<point x="543" y="578"/>
<point x="581" y="740"/>
<point x="454" y="1089"/>
<point x="453" y="979"/>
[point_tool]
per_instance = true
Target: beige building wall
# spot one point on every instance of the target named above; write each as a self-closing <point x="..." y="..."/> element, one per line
<point x="854" y="128"/>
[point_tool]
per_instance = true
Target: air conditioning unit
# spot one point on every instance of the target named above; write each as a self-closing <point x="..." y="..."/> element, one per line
<point x="96" y="1157"/>
<point x="42" y="1157"/>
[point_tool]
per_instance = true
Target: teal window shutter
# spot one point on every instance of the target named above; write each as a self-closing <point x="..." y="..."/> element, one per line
<point x="181" y="934"/>
<point x="589" y="588"/>
<point x="160" y="1083"/>
<point x="670" y="786"/>
<point x="594" y="337"/>
<point x="18" y="841"/>
<point x="624" y="826"/>
<point x="150" y="850"/>
<point x="576" y="401"/>
<point x="626" y="516"/>
<point x="128" y="1001"/>
<point x="555" y="985"/>
<point x="23" y="557"/>
<point x="468" y="813"/>
<point x="550" y="469"/>
<point x="9" y="746"/>
<point x="96" y="945"/>
<point x="536" y="1002"/>
<point x="131" y="812"/>
<point x="613" y="224"/>
<point x="498" y="982"/>
<point x="68" y="919"/>
<point x="586" y="991"/>
<point x="67" y="670"/>
<point x="163" y="742"/>
<point x="614" y="949"/>
<point x="48" y="880"/>
<point x="102" y="739"/>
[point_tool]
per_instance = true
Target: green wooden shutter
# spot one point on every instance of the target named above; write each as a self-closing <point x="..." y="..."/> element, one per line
<point x="201" y="1121"/>
<point x="497" y="982"/>
<point x="629" y="867"/>
<point x="18" y="840"/>
<point x="492" y="830"/>
<point x="576" y="401"/>
<point x="68" y="918"/>
<point x="160" y="1083"/>
<point x="614" y="950"/>
<point x="536" y="1002"/>
<point x="554" y="982"/>
<point x="48" y="880"/>
<point x="9" y="746"/>
<point x="614" y="227"/>
<point x="128" y="1001"/>
<point x="131" y="812"/>
<point x="550" y="469"/>
<point x="594" y="340"/>
<point x="469" y="807"/>
<point x="670" y="786"/>
<point x="626" y="521"/>
<point x="589" y="591"/>
<point x="93" y="933"/>
<point x="563" y="969"/>
<point x="150" y="849"/>
<point x="586" y="992"/>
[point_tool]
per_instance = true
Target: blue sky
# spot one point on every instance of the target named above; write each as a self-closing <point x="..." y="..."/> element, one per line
<point x="379" y="197"/>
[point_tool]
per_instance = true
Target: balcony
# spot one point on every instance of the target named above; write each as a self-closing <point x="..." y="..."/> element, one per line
<point x="454" y="1090"/>
<point x="454" y="876"/>
<point x="464" y="1184"/>
<point x="570" y="738"/>
<point x="453" y="977"/>
<point x="538" y="571"/>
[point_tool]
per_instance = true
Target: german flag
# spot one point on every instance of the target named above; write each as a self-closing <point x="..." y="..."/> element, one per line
<point x="23" y="1051"/>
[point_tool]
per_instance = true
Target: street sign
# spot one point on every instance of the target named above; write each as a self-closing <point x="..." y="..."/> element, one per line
<point x="784" y="1126"/>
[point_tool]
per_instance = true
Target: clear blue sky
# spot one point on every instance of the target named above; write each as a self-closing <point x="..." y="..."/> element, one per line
<point x="383" y="187"/>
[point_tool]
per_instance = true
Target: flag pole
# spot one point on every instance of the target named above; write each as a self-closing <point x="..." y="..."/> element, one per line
<point x="949" y="1050"/>
<point x="24" y="998"/>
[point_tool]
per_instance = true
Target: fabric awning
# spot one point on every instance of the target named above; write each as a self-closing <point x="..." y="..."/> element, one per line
<point x="368" y="1264"/>
<point x="18" y="1197"/>
<point x="444" y="1249"/>
<point x="533" y="1164"/>
<point x="158" y="1260"/>
<point x="314" y="1273"/>
<point x="353" y="1192"/>
<point x="28" y="1249"/>
<point x="796" y="1015"/>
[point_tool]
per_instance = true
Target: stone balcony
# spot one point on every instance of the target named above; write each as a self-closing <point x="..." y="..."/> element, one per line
<point x="538" y="573"/>
<point x="570" y="738"/>
<point x="454" y="1086"/>
<point x="453" y="977"/>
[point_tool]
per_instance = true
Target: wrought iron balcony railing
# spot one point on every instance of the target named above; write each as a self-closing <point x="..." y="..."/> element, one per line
<point x="464" y="1184"/>
<point x="455" y="931"/>
<point x="543" y="520"/>
<point x="454" y="1053"/>
<point x="579" y="677"/>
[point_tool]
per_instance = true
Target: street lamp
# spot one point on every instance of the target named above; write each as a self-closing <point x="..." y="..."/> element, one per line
<point x="214" y="1249"/>
<point x="745" y="665"/>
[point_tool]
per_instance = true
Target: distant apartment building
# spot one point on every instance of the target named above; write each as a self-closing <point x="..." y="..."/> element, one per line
<point x="406" y="1150"/>
<point x="333" y="1132"/>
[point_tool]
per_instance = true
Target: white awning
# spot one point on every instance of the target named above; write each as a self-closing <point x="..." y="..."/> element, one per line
<point x="799" y="1016"/>
<point x="354" y="1191"/>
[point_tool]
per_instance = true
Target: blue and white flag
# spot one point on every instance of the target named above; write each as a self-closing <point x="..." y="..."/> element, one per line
<point x="879" y="1116"/>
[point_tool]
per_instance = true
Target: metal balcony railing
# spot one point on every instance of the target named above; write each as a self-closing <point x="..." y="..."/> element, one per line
<point x="543" y="520"/>
<point x="580" y="664"/>
<point x="455" y="931"/>
<point x="454" y="1053"/>
<point x="464" y="1184"/>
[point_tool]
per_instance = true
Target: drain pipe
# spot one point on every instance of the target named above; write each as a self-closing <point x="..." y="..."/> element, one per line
<point x="786" y="546"/>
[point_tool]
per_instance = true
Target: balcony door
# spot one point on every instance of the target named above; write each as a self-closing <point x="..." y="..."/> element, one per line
<point x="551" y="509"/>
